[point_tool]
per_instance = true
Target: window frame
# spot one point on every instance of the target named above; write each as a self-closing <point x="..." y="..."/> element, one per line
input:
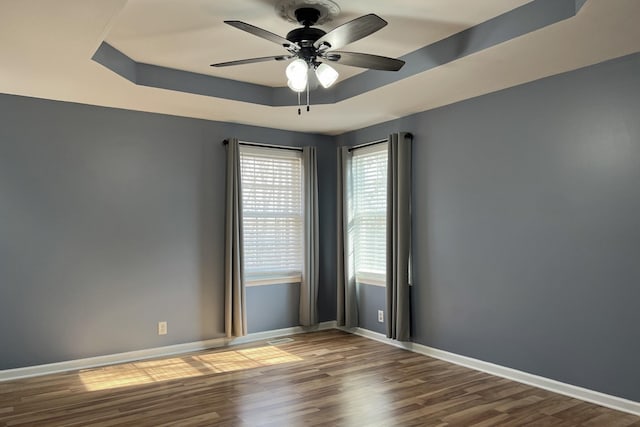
<point x="283" y="276"/>
<point x="366" y="277"/>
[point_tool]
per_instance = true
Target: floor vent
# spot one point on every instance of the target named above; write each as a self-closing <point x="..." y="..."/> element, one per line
<point x="280" y="341"/>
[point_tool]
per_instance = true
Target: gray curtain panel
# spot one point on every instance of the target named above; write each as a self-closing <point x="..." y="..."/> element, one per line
<point x="347" y="289"/>
<point x="235" y="315"/>
<point x="398" y="236"/>
<point x="309" y="285"/>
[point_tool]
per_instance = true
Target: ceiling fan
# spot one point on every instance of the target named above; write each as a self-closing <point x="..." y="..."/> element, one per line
<point x="311" y="48"/>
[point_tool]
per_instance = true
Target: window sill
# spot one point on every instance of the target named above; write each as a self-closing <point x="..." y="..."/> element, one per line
<point x="371" y="279"/>
<point x="273" y="281"/>
<point x="372" y="283"/>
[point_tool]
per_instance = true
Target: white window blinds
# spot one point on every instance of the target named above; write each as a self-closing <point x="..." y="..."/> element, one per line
<point x="369" y="212"/>
<point x="272" y="213"/>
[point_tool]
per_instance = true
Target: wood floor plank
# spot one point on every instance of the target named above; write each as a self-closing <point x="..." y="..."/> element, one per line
<point x="327" y="378"/>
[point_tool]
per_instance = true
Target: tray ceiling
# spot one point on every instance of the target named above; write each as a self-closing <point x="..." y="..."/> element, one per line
<point x="47" y="49"/>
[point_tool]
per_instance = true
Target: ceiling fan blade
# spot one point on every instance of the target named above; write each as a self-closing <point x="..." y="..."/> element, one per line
<point x="364" y="60"/>
<point x="267" y="35"/>
<point x="252" y="60"/>
<point x="351" y="31"/>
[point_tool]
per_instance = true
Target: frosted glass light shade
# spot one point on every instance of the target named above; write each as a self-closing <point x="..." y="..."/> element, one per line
<point x="297" y="85"/>
<point x="326" y="74"/>
<point x="297" y="74"/>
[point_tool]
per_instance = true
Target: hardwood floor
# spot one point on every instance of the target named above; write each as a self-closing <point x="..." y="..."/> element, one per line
<point x="322" y="378"/>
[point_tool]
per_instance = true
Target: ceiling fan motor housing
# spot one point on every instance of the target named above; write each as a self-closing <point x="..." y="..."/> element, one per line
<point x="307" y="35"/>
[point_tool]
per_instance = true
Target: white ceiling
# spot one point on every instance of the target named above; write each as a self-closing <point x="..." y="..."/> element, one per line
<point x="46" y="48"/>
<point x="190" y="38"/>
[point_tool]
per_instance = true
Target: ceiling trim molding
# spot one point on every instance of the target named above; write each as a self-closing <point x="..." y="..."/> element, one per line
<point x="510" y="25"/>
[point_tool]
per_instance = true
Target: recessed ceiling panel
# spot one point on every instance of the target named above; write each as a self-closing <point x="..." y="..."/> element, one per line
<point x="190" y="35"/>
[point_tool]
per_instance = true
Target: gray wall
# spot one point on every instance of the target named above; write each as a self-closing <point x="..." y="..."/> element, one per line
<point x="526" y="226"/>
<point x="372" y="298"/>
<point x="272" y="307"/>
<point x="112" y="220"/>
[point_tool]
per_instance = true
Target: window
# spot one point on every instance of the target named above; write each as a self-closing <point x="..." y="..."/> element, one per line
<point x="272" y="211"/>
<point x="369" y="213"/>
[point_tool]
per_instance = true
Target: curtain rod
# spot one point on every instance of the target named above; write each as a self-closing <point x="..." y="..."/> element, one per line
<point x="380" y="141"/>
<point x="367" y="144"/>
<point x="258" y="144"/>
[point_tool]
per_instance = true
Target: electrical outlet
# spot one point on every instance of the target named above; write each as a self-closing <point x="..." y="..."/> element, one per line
<point x="162" y="328"/>
<point x="380" y="316"/>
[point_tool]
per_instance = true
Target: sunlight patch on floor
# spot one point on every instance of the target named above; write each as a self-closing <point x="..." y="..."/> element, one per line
<point x="152" y="371"/>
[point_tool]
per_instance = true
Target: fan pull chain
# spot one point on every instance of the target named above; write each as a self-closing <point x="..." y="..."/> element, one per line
<point x="308" y="108"/>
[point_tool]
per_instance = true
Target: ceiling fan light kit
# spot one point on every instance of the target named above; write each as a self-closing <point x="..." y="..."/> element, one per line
<point x="311" y="48"/>
<point x="298" y="75"/>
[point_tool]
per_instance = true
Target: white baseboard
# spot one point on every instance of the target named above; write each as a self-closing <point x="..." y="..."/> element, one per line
<point x="170" y="350"/>
<point x="587" y="395"/>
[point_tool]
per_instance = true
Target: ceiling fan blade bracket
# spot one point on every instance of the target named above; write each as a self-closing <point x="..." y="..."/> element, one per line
<point x="323" y="48"/>
<point x="330" y="56"/>
<point x="291" y="47"/>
